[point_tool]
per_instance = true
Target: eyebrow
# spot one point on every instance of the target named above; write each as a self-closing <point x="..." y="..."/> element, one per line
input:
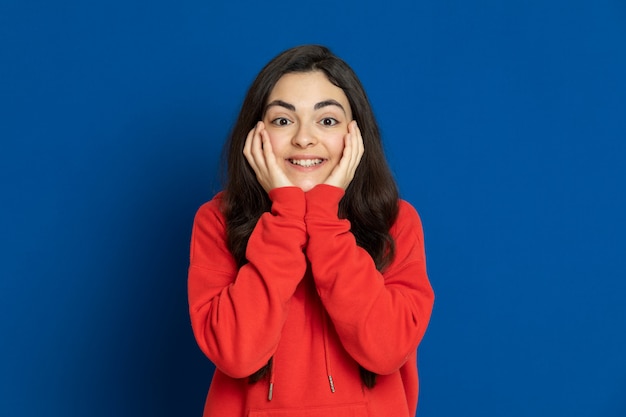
<point x="330" y="102"/>
<point x="281" y="104"/>
<point x="317" y="106"/>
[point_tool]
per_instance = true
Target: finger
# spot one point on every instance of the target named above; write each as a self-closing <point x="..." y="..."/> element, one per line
<point x="254" y="155"/>
<point x="354" y="149"/>
<point x="359" y="141"/>
<point x="247" y="147"/>
<point x="266" y="145"/>
<point x="350" y="149"/>
<point x="257" y="148"/>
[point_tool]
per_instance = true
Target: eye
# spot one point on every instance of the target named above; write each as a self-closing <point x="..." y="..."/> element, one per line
<point x="281" y="121"/>
<point x="329" y="121"/>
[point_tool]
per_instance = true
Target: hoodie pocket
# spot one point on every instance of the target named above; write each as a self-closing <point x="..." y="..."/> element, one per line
<point x="350" y="410"/>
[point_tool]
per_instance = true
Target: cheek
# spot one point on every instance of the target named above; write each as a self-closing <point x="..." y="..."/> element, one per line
<point x="277" y="141"/>
<point x="336" y="144"/>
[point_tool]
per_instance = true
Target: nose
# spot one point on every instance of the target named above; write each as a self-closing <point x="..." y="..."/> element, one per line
<point x="303" y="137"/>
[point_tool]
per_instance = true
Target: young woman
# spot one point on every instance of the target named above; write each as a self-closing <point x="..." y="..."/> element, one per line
<point x="307" y="281"/>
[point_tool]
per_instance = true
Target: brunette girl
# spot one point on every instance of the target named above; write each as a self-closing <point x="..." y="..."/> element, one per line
<point x="307" y="282"/>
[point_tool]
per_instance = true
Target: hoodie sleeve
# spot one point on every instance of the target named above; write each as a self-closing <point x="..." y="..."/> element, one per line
<point x="237" y="314"/>
<point x="380" y="317"/>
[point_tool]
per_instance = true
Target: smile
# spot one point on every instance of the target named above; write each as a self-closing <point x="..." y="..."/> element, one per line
<point x="306" y="162"/>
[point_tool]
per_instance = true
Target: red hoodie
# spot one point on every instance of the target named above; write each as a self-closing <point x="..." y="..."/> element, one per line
<point x="312" y="300"/>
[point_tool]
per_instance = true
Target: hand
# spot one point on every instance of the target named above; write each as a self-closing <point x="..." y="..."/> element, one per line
<point x="258" y="151"/>
<point x="353" y="149"/>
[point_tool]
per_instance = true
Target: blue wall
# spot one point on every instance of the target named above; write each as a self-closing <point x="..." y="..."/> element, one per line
<point x="505" y="123"/>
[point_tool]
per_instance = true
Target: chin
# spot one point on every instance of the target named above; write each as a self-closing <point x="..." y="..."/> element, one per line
<point x="307" y="186"/>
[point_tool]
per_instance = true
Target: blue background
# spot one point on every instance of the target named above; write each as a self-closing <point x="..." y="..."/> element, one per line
<point x="505" y="124"/>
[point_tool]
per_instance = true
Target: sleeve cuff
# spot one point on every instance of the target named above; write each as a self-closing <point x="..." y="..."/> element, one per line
<point x="323" y="201"/>
<point x="288" y="202"/>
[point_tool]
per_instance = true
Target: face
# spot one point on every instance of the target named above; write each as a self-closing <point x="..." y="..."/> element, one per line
<point x="307" y="118"/>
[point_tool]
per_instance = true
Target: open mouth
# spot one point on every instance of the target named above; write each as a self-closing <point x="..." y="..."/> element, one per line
<point x="306" y="163"/>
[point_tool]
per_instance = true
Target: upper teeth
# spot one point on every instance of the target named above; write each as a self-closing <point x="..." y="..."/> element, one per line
<point x="306" y="162"/>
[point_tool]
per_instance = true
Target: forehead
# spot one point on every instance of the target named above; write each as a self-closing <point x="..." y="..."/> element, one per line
<point x="307" y="89"/>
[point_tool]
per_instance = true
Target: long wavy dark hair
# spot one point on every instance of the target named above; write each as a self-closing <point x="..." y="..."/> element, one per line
<point x="371" y="200"/>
